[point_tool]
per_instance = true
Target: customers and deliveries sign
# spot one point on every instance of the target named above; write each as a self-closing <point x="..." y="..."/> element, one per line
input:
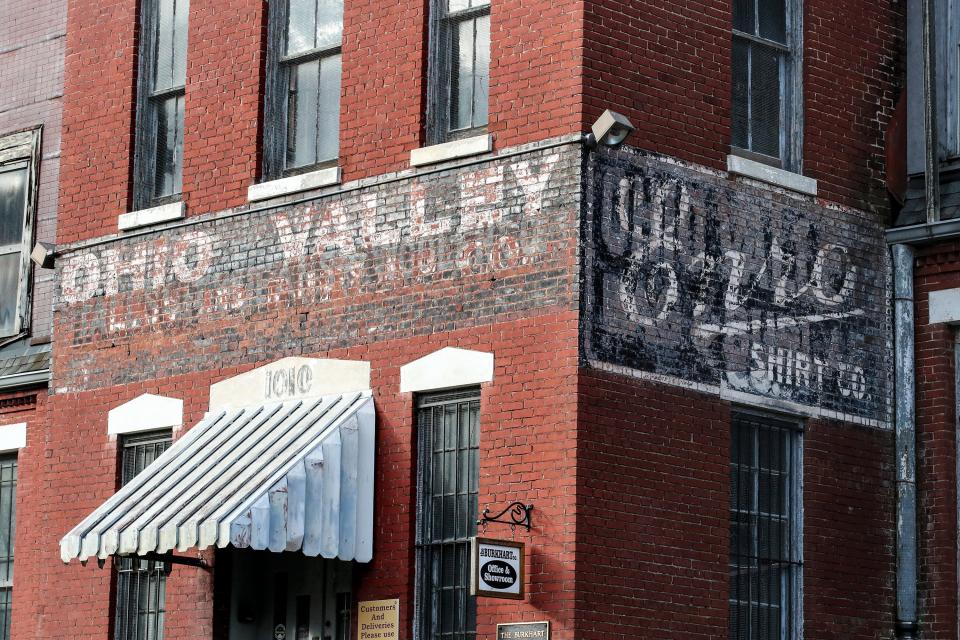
<point x="497" y="568"/>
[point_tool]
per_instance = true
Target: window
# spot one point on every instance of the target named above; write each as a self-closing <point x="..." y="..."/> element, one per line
<point x="766" y="118"/>
<point x="302" y="112"/>
<point x="158" y="164"/>
<point x="141" y="584"/>
<point x="8" y="522"/>
<point x="449" y="433"/>
<point x="19" y="162"/>
<point x="765" y="529"/>
<point x="460" y="69"/>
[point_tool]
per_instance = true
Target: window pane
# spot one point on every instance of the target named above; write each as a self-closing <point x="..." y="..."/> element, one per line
<point x="773" y="20"/>
<point x="182" y="12"/>
<point x="744" y="18"/>
<point x="765" y="100"/>
<point x="328" y="144"/>
<point x="163" y="52"/>
<point x="740" y="107"/>
<point x="462" y="81"/>
<point x="9" y="289"/>
<point x="301" y="25"/>
<point x="169" y="163"/>
<point x="13" y="203"/>
<point x="481" y="77"/>
<point x="329" y="23"/>
<point x="302" y="114"/>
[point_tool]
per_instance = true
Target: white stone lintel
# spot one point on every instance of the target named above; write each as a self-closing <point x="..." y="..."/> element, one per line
<point x="13" y="437"/>
<point x="293" y="378"/>
<point x="147" y="412"/>
<point x="747" y="168"/>
<point x="294" y="184"/>
<point x="451" y="150"/>
<point x="945" y="306"/>
<point x="153" y="215"/>
<point x="447" y="368"/>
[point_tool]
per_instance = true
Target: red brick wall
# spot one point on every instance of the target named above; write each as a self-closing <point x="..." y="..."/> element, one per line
<point x="29" y="607"/>
<point x="527" y="431"/>
<point x="666" y="65"/>
<point x="535" y="93"/>
<point x="937" y="267"/>
<point x="653" y="498"/>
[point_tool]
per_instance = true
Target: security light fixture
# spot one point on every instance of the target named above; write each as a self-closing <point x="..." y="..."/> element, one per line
<point x="43" y="255"/>
<point x="610" y="130"/>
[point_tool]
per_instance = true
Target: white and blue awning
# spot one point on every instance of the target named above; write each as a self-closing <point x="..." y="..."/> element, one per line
<point x="291" y="476"/>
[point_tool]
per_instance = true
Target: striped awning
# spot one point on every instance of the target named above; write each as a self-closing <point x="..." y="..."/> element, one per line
<point x="293" y="476"/>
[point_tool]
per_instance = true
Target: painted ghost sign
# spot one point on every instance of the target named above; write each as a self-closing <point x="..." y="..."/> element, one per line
<point x="443" y="249"/>
<point x="693" y="277"/>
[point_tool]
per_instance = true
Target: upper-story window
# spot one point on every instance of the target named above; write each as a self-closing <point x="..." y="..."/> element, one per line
<point x="19" y="163"/>
<point x="158" y="172"/>
<point x="766" y="118"/>
<point x="302" y="112"/>
<point x="460" y="69"/>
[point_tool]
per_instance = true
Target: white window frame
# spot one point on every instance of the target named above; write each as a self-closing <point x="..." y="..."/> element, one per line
<point x="18" y="150"/>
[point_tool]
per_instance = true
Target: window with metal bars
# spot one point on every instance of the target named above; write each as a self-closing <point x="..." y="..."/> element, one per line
<point x="8" y="522"/>
<point x="448" y="474"/>
<point x="766" y="105"/>
<point x="765" y="528"/>
<point x="460" y="69"/>
<point x="302" y="110"/>
<point x="141" y="584"/>
<point x="158" y="161"/>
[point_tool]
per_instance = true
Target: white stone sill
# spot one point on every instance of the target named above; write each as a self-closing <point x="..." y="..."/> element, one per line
<point x="294" y="184"/>
<point x="153" y="215"/>
<point x="451" y="150"/>
<point x="740" y="166"/>
<point x="13" y="437"/>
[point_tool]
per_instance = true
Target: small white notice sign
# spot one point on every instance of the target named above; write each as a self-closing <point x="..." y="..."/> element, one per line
<point x="497" y="568"/>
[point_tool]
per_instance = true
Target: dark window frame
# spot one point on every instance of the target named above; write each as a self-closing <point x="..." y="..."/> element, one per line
<point x="440" y="67"/>
<point x="791" y="116"/>
<point x="133" y="574"/>
<point x="17" y="150"/>
<point x="427" y="592"/>
<point x="788" y="560"/>
<point x="277" y="91"/>
<point x="148" y="103"/>
<point x="7" y="585"/>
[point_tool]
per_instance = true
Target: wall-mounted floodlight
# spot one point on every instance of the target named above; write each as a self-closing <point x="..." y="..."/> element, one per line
<point x="43" y="255"/>
<point x="610" y="130"/>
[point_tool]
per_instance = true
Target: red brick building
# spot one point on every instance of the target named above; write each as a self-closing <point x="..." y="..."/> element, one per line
<point x="32" y="42"/>
<point x="333" y="278"/>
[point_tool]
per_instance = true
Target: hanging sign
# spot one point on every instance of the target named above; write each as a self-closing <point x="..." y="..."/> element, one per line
<point x="524" y="631"/>
<point x="497" y="568"/>
<point x="378" y="619"/>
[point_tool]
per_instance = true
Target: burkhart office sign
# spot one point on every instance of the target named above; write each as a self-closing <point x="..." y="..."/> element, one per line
<point x="497" y="568"/>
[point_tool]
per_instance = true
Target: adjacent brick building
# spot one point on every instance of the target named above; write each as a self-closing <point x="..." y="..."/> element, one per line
<point x="32" y="43"/>
<point x="678" y="350"/>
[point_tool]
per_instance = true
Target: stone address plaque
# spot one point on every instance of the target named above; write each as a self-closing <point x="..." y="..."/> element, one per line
<point x="524" y="631"/>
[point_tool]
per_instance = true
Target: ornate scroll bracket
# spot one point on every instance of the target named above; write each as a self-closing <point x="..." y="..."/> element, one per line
<point x="519" y="514"/>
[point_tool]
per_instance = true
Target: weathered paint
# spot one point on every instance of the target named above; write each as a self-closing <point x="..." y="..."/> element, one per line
<point x="508" y="223"/>
<point x="694" y="277"/>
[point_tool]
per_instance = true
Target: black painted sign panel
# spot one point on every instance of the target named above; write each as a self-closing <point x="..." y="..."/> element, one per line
<point x="701" y="279"/>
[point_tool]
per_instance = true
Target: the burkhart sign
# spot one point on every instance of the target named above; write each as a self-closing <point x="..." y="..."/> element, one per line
<point x="695" y="278"/>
